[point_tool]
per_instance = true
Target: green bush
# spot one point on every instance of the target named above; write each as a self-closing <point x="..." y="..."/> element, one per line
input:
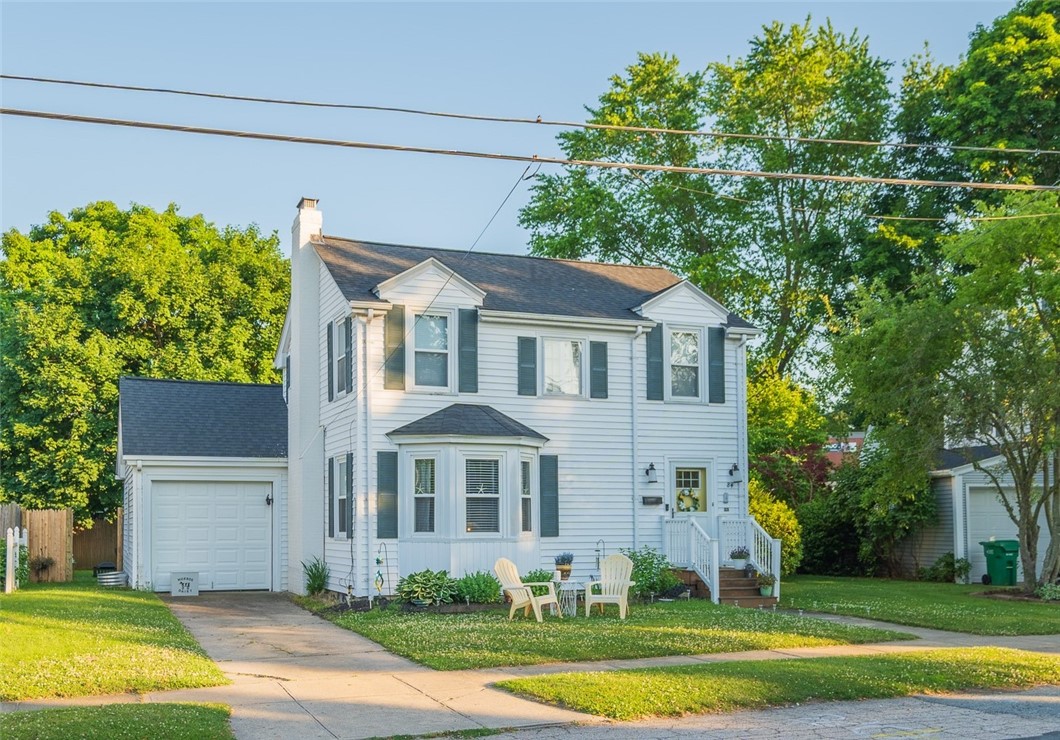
<point x="830" y="541"/>
<point x="947" y="569"/>
<point x="652" y="572"/>
<point x="22" y="572"/>
<point x="1048" y="592"/>
<point x="316" y="576"/>
<point x="431" y="586"/>
<point x="480" y="587"/>
<point x="538" y="576"/>
<point x="780" y="522"/>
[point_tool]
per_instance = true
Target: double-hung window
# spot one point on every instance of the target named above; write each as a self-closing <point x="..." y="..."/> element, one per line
<point x="564" y="359"/>
<point x="685" y="363"/>
<point x="526" y="500"/>
<point x="431" y="360"/>
<point x="482" y="495"/>
<point x="340" y="358"/>
<point x="424" y="469"/>
<point x="341" y="512"/>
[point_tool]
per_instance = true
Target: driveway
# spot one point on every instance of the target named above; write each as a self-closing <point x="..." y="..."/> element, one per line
<point x="297" y="676"/>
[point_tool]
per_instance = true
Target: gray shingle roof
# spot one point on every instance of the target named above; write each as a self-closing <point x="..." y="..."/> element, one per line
<point x="467" y="419"/>
<point x="949" y="459"/>
<point x="187" y="418"/>
<point x="511" y="282"/>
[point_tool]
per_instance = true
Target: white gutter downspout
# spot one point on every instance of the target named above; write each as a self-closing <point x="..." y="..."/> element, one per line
<point x="741" y="416"/>
<point x="366" y="383"/>
<point x="634" y="464"/>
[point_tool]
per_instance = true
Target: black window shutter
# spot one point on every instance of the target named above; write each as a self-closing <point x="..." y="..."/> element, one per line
<point x="655" y="363"/>
<point x="394" y="343"/>
<point x="331" y="497"/>
<point x="467" y="341"/>
<point x="347" y="328"/>
<point x="549" y="477"/>
<point x="386" y="518"/>
<point x="597" y="369"/>
<point x="349" y="495"/>
<point x="716" y="364"/>
<point x="331" y="361"/>
<point x="527" y="371"/>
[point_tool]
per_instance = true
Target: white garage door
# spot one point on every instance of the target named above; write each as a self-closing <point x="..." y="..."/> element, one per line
<point x="987" y="518"/>
<point x="220" y="529"/>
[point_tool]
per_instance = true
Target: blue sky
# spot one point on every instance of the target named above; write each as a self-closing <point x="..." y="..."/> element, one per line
<point x="514" y="59"/>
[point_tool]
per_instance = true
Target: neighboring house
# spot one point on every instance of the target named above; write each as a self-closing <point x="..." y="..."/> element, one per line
<point x="841" y="450"/>
<point x="448" y="408"/>
<point x="969" y="512"/>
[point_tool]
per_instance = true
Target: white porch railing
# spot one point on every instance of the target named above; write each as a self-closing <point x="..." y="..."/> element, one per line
<point x="765" y="553"/>
<point x="733" y="532"/>
<point x="688" y="546"/>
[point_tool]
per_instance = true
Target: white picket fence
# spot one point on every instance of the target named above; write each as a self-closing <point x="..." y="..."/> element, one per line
<point x="17" y="538"/>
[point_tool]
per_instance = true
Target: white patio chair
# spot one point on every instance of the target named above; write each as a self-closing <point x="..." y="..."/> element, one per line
<point x="521" y="593"/>
<point x="613" y="586"/>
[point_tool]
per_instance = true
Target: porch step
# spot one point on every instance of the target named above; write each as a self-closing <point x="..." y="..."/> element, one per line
<point x="735" y="586"/>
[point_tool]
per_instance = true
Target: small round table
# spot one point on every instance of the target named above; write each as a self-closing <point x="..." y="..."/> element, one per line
<point x="568" y="596"/>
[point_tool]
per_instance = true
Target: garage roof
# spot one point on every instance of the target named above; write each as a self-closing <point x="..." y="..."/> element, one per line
<point x="955" y="458"/>
<point x="188" y="418"/>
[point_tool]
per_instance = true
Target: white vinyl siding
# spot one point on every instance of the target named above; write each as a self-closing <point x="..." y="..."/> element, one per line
<point x="482" y="495"/>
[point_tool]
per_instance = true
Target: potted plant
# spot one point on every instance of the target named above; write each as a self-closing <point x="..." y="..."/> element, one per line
<point x="739" y="557"/>
<point x="765" y="583"/>
<point x="563" y="564"/>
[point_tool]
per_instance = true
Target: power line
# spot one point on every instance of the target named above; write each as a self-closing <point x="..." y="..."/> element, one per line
<point x="535" y="121"/>
<point x="853" y="179"/>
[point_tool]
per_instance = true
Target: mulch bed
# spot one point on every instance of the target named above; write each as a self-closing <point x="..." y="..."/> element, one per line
<point x="1009" y="594"/>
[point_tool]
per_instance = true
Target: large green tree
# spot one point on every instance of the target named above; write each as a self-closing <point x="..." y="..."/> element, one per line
<point x="106" y="292"/>
<point x="973" y="354"/>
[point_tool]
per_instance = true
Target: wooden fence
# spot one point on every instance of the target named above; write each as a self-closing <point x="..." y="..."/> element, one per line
<point x="10" y="517"/>
<point x="100" y="544"/>
<point x="51" y="534"/>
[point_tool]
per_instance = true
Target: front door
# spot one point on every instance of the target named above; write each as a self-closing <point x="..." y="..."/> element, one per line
<point x="690" y="496"/>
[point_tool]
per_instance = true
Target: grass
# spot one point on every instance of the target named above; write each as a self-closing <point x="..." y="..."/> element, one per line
<point x="726" y="687"/>
<point x="77" y="639"/>
<point x="943" y="606"/>
<point x="487" y="639"/>
<point x="120" y="722"/>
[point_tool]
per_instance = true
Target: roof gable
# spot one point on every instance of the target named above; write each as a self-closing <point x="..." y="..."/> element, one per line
<point x="425" y="269"/>
<point x="697" y="294"/>
<point x="183" y="418"/>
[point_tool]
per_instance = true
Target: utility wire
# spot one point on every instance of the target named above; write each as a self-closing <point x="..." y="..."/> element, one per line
<point x="536" y="121"/>
<point x="856" y="179"/>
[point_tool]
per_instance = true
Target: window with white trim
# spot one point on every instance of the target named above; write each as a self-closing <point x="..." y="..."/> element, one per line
<point x="431" y="350"/>
<point x="685" y="363"/>
<point x="482" y="495"/>
<point x="563" y="366"/>
<point x="341" y="510"/>
<point x="526" y="500"/>
<point x="424" y="475"/>
<point x="339" y="331"/>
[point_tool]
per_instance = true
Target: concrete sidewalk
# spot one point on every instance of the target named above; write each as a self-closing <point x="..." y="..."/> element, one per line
<point x="296" y="675"/>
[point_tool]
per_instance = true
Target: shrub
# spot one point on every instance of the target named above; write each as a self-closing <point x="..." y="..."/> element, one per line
<point x="1048" y="592"/>
<point x="652" y="573"/>
<point x="538" y="576"/>
<point x="479" y="588"/>
<point x="22" y="572"/>
<point x="947" y="569"/>
<point x="317" y="573"/>
<point x="431" y="586"/>
<point x="830" y="541"/>
<point x="780" y="522"/>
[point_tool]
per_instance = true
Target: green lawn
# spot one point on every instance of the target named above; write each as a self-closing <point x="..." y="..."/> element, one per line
<point x="726" y="687"/>
<point x="488" y="639"/>
<point x="76" y="639"/>
<point x="943" y="606"/>
<point x="120" y="722"/>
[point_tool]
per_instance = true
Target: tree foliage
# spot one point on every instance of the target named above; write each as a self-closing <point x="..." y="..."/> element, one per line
<point x="973" y="355"/>
<point x="779" y="521"/>
<point x="105" y="292"/>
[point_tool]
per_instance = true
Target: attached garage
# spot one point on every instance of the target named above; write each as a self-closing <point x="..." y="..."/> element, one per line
<point x="205" y="473"/>
<point x="988" y="519"/>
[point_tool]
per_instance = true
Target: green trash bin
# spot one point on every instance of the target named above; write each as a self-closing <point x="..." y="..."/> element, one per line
<point x="1002" y="562"/>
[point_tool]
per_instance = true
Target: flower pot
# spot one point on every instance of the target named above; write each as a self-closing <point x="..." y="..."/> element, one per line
<point x="765" y="590"/>
<point x="739" y="563"/>
<point x="564" y="571"/>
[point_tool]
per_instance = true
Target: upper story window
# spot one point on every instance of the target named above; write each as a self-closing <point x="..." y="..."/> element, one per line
<point x="685" y="364"/>
<point x="431" y="361"/>
<point x="340" y="358"/>
<point x="564" y="359"/>
<point x="482" y="495"/>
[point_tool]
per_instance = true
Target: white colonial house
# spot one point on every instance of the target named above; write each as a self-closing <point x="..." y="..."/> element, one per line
<point x="447" y="408"/>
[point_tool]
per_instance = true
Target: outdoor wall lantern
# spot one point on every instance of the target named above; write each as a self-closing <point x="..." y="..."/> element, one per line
<point x="734" y="475"/>
<point x="653" y="477"/>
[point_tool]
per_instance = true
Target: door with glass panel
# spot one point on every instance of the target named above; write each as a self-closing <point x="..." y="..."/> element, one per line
<point x="690" y="496"/>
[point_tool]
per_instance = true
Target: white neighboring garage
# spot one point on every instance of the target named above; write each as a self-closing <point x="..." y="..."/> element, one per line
<point x="205" y="472"/>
